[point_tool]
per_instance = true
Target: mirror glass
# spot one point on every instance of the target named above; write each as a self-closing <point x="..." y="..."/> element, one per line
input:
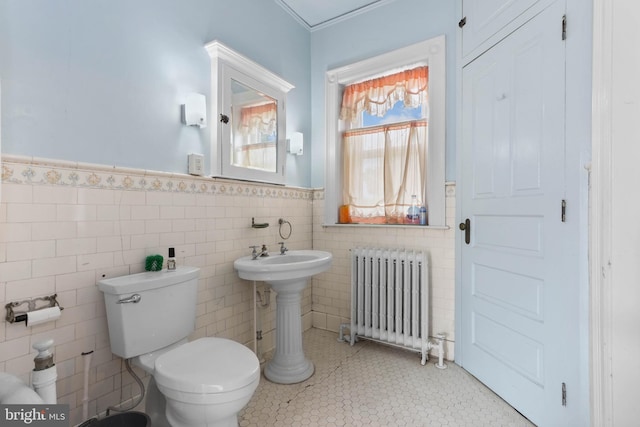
<point x="249" y="103"/>
<point x="254" y="130"/>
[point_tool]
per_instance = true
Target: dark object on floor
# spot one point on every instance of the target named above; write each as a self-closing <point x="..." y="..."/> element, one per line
<point x="124" y="419"/>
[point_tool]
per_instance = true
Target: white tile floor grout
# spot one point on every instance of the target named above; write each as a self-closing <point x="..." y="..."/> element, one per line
<point x="370" y="384"/>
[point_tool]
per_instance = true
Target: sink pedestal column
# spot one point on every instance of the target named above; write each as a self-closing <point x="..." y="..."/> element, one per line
<point x="289" y="364"/>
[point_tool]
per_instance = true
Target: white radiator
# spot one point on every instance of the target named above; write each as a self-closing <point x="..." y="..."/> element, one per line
<point x="390" y="297"/>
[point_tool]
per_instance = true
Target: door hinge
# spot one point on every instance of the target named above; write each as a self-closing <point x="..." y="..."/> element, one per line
<point x="564" y="27"/>
<point x="563" y="215"/>
<point x="564" y="394"/>
<point x="462" y="22"/>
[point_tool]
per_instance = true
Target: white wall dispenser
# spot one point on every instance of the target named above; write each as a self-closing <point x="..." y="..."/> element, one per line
<point x="296" y="143"/>
<point x="194" y="110"/>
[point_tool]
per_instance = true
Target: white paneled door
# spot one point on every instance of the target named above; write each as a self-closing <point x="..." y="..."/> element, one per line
<point x="485" y="18"/>
<point x="519" y="318"/>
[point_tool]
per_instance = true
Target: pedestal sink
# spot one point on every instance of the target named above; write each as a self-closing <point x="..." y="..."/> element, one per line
<point x="288" y="275"/>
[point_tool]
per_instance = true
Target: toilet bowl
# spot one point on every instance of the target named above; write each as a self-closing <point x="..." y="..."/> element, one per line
<point x="205" y="382"/>
<point x="14" y="391"/>
<point x="202" y="382"/>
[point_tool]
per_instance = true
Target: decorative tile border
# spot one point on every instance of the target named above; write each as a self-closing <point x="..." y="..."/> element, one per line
<point x="31" y="171"/>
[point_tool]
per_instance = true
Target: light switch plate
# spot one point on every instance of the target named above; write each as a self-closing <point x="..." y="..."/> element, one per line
<point x="196" y="164"/>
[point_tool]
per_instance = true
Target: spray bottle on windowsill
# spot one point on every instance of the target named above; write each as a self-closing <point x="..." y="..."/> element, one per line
<point x="413" y="213"/>
<point x="423" y="215"/>
<point x="171" y="262"/>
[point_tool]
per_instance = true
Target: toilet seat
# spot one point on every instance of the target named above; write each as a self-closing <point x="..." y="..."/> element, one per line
<point x="207" y="366"/>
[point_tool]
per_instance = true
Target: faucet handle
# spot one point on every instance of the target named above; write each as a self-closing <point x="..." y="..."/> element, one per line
<point x="264" y="252"/>
<point x="282" y="248"/>
<point x="254" y="251"/>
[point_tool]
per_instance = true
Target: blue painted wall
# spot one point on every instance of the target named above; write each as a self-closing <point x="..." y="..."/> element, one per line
<point x="102" y="81"/>
<point x="397" y="24"/>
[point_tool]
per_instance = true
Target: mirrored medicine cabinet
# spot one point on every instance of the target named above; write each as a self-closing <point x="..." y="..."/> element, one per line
<point x="248" y="106"/>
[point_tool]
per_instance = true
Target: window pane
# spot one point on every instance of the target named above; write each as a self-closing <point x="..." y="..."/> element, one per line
<point x="399" y="113"/>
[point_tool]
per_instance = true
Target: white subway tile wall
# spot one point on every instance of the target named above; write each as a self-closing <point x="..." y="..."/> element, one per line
<point x="331" y="299"/>
<point x="65" y="226"/>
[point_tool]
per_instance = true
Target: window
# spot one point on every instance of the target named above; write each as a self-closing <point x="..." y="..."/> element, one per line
<point x="384" y="146"/>
<point x="430" y="187"/>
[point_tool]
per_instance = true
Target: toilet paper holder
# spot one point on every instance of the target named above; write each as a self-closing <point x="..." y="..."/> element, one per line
<point x="32" y="305"/>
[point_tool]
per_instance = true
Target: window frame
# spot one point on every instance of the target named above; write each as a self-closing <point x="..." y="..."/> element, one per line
<point x="430" y="52"/>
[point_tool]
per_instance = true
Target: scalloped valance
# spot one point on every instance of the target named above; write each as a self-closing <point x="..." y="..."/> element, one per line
<point x="377" y="96"/>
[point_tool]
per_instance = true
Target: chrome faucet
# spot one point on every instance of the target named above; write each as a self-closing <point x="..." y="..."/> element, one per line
<point x="254" y="252"/>
<point x="283" y="250"/>
<point x="263" y="252"/>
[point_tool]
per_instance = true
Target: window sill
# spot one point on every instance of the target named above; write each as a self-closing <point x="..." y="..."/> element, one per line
<point x="364" y="225"/>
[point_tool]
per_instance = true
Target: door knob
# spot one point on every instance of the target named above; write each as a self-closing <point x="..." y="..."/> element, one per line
<point x="466" y="227"/>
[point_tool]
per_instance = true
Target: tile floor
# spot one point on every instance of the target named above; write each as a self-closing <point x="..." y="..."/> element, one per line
<point x="370" y="384"/>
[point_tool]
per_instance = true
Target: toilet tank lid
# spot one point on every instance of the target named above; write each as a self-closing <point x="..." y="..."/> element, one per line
<point x="147" y="280"/>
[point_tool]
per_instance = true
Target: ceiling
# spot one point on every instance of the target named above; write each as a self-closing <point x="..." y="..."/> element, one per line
<point x="316" y="14"/>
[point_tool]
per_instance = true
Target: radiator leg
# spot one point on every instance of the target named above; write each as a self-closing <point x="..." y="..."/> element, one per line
<point x="440" y="364"/>
<point x="341" y="336"/>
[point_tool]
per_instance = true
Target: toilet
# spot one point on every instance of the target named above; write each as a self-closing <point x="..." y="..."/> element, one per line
<point x="13" y="391"/>
<point x="205" y="382"/>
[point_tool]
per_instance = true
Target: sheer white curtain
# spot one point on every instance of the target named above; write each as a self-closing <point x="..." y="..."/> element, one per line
<point x="254" y="143"/>
<point x="383" y="168"/>
<point x="258" y="119"/>
<point x="384" y="165"/>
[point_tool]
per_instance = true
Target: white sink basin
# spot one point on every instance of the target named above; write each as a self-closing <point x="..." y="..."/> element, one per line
<point x="293" y="265"/>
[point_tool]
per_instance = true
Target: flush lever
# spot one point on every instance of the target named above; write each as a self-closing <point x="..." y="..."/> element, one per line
<point x="466" y="227"/>
<point x="135" y="298"/>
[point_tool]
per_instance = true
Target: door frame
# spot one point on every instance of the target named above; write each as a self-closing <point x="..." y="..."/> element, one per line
<point x="600" y="211"/>
<point x="614" y="231"/>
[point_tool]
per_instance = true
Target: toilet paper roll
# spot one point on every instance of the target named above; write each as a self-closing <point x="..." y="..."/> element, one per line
<point x="43" y="315"/>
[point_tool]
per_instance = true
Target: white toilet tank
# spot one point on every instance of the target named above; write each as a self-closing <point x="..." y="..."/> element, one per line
<point x="165" y="311"/>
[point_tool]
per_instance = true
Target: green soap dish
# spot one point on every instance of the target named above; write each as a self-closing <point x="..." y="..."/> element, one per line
<point x="154" y="263"/>
<point x="254" y="224"/>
